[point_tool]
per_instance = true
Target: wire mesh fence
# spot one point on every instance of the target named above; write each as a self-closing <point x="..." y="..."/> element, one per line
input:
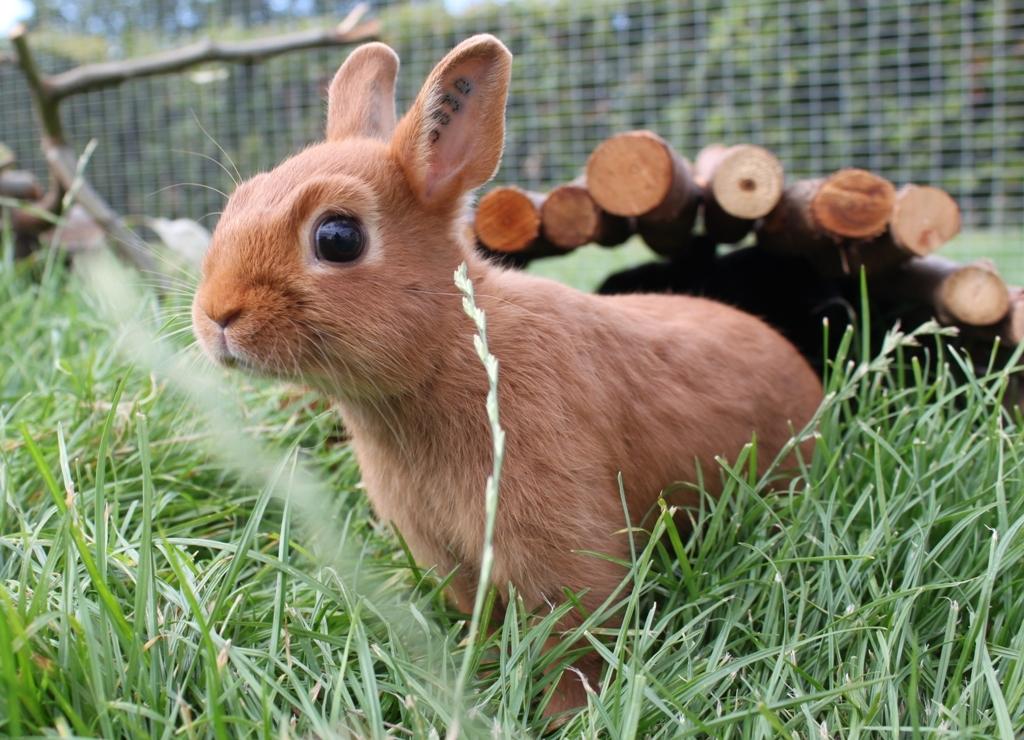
<point x="929" y="92"/>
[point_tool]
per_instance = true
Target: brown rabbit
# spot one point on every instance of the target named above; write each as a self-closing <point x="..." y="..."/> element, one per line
<point x="336" y="268"/>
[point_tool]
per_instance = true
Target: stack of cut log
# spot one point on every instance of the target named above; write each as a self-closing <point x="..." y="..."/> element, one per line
<point x="832" y="227"/>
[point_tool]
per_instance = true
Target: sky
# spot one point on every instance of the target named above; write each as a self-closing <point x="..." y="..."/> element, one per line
<point x="12" y="11"/>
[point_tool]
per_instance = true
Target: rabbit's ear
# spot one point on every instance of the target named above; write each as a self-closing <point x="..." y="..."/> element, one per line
<point x="451" y="139"/>
<point x="361" y="99"/>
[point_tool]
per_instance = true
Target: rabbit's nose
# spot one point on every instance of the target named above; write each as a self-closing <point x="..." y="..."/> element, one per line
<point x="223" y="317"/>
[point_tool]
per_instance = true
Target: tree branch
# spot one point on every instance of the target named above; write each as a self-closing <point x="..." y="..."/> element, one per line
<point x="48" y="112"/>
<point x="107" y="74"/>
<point x="42" y="91"/>
<point x="48" y="91"/>
<point x="63" y="164"/>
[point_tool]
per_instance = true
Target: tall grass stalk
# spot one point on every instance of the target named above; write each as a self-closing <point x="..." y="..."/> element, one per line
<point x="490" y="363"/>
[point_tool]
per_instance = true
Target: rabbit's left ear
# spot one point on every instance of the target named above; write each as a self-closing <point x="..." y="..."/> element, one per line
<point x="361" y="99"/>
<point x="451" y="139"/>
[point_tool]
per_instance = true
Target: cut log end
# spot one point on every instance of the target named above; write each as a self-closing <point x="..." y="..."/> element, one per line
<point x="854" y="203"/>
<point x="923" y="219"/>
<point x="508" y="219"/>
<point x="747" y="181"/>
<point x="974" y="295"/>
<point x="570" y="217"/>
<point x="631" y="173"/>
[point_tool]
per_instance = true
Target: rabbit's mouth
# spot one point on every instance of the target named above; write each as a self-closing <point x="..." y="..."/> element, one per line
<point x="224" y="351"/>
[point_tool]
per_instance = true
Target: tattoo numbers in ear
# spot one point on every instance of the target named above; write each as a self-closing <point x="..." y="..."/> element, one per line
<point x="451" y="99"/>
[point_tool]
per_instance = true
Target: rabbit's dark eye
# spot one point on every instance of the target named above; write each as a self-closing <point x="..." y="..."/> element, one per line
<point x="338" y="239"/>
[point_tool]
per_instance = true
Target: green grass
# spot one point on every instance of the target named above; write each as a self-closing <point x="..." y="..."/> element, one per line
<point x="187" y="554"/>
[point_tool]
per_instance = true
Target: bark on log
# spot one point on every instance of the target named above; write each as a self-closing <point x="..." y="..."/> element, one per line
<point x="970" y="295"/>
<point x="923" y="219"/>
<point x="639" y="174"/>
<point x="570" y="218"/>
<point x="789" y="229"/>
<point x="741" y="184"/>
<point x="508" y="219"/>
<point x="819" y="219"/>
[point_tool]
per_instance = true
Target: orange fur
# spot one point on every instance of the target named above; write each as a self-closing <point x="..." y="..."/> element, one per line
<point x="590" y="386"/>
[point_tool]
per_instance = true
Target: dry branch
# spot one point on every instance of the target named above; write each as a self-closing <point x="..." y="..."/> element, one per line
<point x="106" y="74"/>
<point x="639" y="174"/>
<point x="45" y="106"/>
<point x="64" y="165"/>
<point x="48" y="91"/>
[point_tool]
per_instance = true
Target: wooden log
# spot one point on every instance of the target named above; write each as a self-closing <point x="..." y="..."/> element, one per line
<point x="507" y="219"/>
<point x="20" y="185"/>
<point x="741" y="184"/>
<point x="570" y="218"/>
<point x="667" y="239"/>
<point x="789" y="229"/>
<point x="959" y="294"/>
<point x="639" y="174"/>
<point x="1009" y="330"/>
<point x="818" y="219"/>
<point x="853" y="203"/>
<point x="923" y="219"/>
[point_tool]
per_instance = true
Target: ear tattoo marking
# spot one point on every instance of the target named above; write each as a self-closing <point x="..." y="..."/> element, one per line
<point x="462" y="87"/>
<point x="451" y="101"/>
